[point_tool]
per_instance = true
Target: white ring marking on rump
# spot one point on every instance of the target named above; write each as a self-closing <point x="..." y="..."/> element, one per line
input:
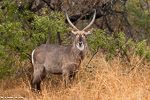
<point x="32" y="56"/>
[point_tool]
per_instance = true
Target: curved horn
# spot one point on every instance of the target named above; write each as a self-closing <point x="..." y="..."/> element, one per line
<point x="91" y="21"/>
<point x="70" y="21"/>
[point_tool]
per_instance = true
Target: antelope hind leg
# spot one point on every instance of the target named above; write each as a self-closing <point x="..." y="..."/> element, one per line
<point x="38" y="75"/>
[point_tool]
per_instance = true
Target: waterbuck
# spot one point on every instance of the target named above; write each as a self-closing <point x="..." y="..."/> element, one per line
<point x="57" y="59"/>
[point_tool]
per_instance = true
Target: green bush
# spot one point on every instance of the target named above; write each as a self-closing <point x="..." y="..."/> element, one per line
<point x="142" y="50"/>
<point x="138" y="16"/>
<point x="110" y="43"/>
<point x="19" y="37"/>
<point x="117" y="43"/>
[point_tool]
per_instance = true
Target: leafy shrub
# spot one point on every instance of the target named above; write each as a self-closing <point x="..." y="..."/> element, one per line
<point x="138" y="16"/>
<point x="44" y="25"/>
<point x="142" y="50"/>
<point x="116" y="42"/>
<point x="19" y="37"/>
<point x="107" y="42"/>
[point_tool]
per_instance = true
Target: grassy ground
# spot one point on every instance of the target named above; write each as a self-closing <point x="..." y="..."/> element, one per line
<point x="114" y="80"/>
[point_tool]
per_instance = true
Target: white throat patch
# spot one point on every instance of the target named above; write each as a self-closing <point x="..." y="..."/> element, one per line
<point x="81" y="48"/>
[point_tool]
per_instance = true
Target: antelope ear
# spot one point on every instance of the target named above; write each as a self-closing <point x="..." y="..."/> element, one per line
<point x="89" y="32"/>
<point x="73" y="31"/>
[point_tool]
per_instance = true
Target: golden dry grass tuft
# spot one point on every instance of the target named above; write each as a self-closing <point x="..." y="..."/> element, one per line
<point x="114" y="80"/>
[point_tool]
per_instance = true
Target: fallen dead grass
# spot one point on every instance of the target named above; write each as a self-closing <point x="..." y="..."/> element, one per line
<point x="115" y="80"/>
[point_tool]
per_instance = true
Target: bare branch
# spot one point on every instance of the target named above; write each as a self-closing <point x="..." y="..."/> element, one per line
<point x="48" y="4"/>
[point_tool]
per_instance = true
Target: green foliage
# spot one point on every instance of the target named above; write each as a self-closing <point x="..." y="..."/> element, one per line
<point x="138" y="16"/>
<point x="116" y="41"/>
<point x="44" y="25"/>
<point x="18" y="37"/>
<point x="127" y="46"/>
<point x="110" y="43"/>
<point x="142" y="50"/>
<point x="138" y="48"/>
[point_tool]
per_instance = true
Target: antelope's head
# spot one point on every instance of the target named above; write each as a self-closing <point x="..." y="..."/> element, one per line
<point x="80" y="40"/>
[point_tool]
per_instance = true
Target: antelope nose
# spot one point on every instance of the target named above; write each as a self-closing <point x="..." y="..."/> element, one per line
<point x="80" y="43"/>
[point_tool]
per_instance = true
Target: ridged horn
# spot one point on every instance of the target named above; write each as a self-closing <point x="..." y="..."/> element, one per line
<point x="70" y="22"/>
<point x="91" y="21"/>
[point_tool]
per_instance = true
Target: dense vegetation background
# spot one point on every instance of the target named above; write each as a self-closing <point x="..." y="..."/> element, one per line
<point x="119" y="48"/>
<point x="121" y="28"/>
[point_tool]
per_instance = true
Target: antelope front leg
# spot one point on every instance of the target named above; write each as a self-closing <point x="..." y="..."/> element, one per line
<point x="72" y="77"/>
<point x="65" y="77"/>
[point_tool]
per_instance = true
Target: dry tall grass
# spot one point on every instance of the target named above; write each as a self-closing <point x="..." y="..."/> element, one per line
<point x="109" y="81"/>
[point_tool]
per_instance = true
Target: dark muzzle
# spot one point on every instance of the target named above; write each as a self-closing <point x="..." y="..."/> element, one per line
<point x="80" y="43"/>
